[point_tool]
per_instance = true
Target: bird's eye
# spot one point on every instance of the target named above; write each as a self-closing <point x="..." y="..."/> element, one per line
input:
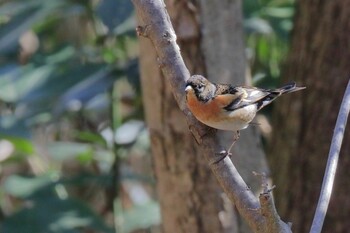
<point x="200" y="88"/>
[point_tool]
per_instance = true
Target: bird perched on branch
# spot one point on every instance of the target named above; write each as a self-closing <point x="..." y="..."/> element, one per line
<point x="227" y="107"/>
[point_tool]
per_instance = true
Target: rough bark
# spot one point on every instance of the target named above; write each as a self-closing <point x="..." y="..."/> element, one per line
<point x="188" y="192"/>
<point x="155" y="24"/>
<point x="224" y="51"/>
<point x="304" y="122"/>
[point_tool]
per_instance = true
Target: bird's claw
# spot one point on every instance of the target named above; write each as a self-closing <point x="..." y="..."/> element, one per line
<point x="219" y="156"/>
<point x="224" y="153"/>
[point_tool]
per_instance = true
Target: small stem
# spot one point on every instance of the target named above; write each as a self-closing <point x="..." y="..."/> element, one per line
<point x="332" y="163"/>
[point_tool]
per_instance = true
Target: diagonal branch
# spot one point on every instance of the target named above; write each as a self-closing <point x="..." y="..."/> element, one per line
<point x="332" y="163"/>
<point x="157" y="27"/>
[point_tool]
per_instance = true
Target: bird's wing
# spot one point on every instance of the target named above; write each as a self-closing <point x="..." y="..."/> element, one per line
<point x="232" y="98"/>
<point x="228" y="95"/>
<point x="255" y="94"/>
<point x="238" y="97"/>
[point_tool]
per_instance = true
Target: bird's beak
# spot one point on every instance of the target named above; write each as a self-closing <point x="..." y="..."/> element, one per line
<point x="188" y="88"/>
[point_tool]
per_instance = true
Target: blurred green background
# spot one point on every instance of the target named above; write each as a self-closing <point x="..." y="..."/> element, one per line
<point x="74" y="148"/>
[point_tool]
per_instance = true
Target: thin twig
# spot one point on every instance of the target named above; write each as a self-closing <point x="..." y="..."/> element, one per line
<point x="332" y="163"/>
<point x="268" y="209"/>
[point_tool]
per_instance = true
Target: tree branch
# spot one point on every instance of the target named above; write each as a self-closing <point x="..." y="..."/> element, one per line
<point x="332" y="163"/>
<point x="268" y="209"/>
<point x="157" y="27"/>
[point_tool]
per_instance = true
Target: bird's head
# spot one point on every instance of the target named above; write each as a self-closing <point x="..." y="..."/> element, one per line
<point x="200" y="87"/>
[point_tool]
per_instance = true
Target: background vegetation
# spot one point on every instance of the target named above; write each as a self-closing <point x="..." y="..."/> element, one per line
<point x="74" y="148"/>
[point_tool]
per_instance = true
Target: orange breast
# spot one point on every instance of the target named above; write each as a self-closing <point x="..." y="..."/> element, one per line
<point x="203" y="111"/>
<point x="212" y="114"/>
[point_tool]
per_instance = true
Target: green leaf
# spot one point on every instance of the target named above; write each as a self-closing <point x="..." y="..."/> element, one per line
<point x="17" y="84"/>
<point x="257" y="25"/>
<point x="27" y="14"/>
<point x="28" y="187"/>
<point x="263" y="49"/>
<point x="55" y="215"/>
<point x="38" y="187"/>
<point x="21" y="145"/>
<point x="114" y="12"/>
<point x="279" y="12"/>
<point x="139" y="216"/>
<point x="12" y="128"/>
<point x="46" y="211"/>
<point x="99" y="81"/>
<point x="128" y="132"/>
<point x="47" y="92"/>
<point x="90" y="137"/>
<point x="70" y="150"/>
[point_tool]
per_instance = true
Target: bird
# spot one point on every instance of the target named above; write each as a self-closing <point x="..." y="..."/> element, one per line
<point x="228" y="107"/>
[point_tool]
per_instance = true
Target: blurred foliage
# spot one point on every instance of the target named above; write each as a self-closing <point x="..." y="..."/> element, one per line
<point x="69" y="88"/>
<point x="268" y="24"/>
<point x="74" y="150"/>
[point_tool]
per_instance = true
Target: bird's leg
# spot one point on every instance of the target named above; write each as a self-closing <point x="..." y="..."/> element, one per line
<point x="235" y="138"/>
<point x="223" y="154"/>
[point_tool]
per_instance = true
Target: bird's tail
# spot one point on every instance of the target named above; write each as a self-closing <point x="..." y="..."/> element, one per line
<point x="273" y="94"/>
<point x="288" y="88"/>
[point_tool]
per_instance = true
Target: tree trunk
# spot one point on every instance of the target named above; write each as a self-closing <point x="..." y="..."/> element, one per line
<point x="304" y="122"/>
<point x="224" y="52"/>
<point x="190" y="198"/>
<point x="188" y="192"/>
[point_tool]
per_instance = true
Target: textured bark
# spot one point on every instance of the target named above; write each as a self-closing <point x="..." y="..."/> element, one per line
<point x="224" y="51"/>
<point x="219" y="61"/>
<point x="188" y="192"/>
<point x="304" y="122"/>
<point x="166" y="136"/>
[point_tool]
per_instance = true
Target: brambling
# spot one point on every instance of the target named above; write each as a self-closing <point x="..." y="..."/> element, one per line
<point x="227" y="107"/>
